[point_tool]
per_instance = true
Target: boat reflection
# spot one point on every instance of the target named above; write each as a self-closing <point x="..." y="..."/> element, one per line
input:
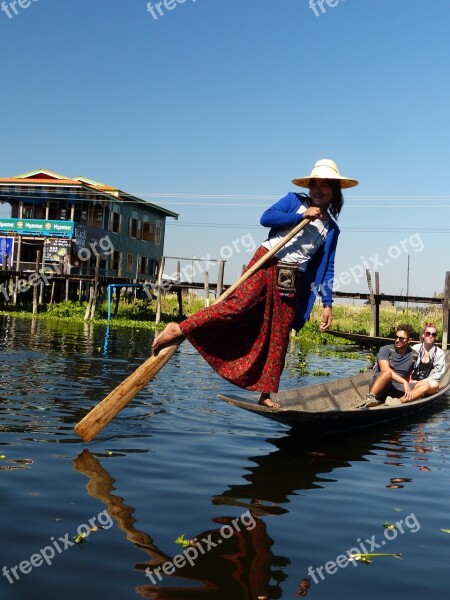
<point x="275" y="477"/>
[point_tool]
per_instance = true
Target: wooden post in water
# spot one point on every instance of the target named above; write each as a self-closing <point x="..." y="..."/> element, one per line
<point x="445" y="311"/>
<point x="377" y="303"/>
<point x="162" y="263"/>
<point x="36" y="286"/>
<point x="42" y="285"/>
<point x="179" y="290"/>
<point x="89" y="304"/>
<point x="180" y="301"/>
<point x="117" y="301"/>
<point x="206" y="288"/>
<point x="372" y="304"/>
<point x="220" y="279"/>
<point x="95" y="293"/>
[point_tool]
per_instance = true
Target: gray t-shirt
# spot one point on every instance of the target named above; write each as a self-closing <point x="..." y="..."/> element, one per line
<point x="400" y="363"/>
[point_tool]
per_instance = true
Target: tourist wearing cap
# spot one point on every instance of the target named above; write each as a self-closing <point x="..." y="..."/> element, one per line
<point x="245" y="336"/>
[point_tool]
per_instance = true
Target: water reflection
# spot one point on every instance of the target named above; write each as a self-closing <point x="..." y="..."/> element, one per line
<point x="51" y="373"/>
<point x="292" y="468"/>
<point x="244" y="565"/>
<point x="240" y="566"/>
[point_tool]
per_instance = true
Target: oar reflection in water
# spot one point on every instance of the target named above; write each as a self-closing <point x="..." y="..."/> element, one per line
<point x="238" y="567"/>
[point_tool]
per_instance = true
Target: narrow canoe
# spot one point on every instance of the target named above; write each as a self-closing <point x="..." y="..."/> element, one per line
<point x="334" y="406"/>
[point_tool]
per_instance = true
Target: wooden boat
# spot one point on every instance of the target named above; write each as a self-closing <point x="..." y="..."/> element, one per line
<point x="335" y="406"/>
<point x="362" y="340"/>
<point x="367" y="340"/>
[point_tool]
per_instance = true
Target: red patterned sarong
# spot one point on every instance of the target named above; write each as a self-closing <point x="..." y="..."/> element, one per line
<point x="244" y="338"/>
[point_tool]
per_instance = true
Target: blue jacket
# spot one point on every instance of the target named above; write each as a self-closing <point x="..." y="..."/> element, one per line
<point x="319" y="275"/>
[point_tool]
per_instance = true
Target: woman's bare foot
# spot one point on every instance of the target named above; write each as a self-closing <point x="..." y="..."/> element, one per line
<point x="266" y="400"/>
<point x="171" y="333"/>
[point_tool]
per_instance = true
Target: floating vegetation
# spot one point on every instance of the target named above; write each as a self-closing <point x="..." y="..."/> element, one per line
<point x="367" y="558"/>
<point x="340" y="353"/>
<point x="182" y="541"/>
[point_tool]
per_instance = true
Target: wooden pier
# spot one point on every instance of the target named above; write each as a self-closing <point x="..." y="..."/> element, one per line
<point x="45" y="287"/>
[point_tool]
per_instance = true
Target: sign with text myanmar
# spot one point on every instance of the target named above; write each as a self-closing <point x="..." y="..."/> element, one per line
<point x="37" y="227"/>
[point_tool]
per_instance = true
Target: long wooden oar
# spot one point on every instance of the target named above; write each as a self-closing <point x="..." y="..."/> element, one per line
<point x="108" y="408"/>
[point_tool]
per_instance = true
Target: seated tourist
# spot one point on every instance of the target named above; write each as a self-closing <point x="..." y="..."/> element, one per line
<point x="393" y="369"/>
<point x="429" y="366"/>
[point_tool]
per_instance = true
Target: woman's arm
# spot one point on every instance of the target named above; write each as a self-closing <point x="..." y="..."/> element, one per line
<point x="283" y="213"/>
<point x="438" y="366"/>
<point x="327" y="285"/>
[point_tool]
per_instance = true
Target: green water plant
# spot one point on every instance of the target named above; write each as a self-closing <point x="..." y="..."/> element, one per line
<point x="367" y="557"/>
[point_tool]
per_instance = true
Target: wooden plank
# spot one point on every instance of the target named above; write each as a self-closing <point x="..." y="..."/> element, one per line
<point x="445" y="311"/>
<point x="162" y="263"/>
<point x="372" y="304"/>
<point x="377" y="303"/>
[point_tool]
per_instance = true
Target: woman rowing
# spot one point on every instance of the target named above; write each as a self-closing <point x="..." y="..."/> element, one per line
<point x="245" y="337"/>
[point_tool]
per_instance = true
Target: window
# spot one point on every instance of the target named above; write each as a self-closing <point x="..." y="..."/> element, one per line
<point x="27" y="211"/>
<point x="115" y="219"/>
<point x="158" y="232"/>
<point x="79" y="211"/>
<point x="99" y="215"/>
<point x="143" y="265"/>
<point x="114" y="261"/>
<point x="134" y="226"/>
<point x="129" y="262"/>
<point x="148" y="231"/>
<point x="53" y="210"/>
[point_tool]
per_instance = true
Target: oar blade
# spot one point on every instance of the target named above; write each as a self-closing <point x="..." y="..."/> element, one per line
<point x="116" y="400"/>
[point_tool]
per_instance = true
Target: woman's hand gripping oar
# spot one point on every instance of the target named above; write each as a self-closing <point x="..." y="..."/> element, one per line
<point x="107" y="409"/>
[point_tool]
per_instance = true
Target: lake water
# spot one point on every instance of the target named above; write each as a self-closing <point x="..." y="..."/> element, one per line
<point x="267" y="513"/>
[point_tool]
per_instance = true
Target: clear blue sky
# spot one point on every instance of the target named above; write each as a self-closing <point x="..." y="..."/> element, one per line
<point x="234" y="98"/>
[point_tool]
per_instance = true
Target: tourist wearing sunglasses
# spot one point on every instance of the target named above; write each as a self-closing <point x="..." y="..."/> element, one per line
<point x="393" y="370"/>
<point x="429" y="366"/>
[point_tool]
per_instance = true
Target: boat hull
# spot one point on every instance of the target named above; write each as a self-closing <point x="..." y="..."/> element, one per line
<point x="335" y="406"/>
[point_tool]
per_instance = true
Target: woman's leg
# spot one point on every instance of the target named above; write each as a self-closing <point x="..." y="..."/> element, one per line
<point x="266" y="400"/>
